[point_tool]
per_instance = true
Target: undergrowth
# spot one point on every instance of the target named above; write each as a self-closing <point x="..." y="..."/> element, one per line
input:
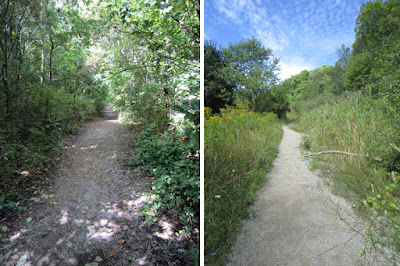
<point x="240" y="147"/>
<point x="368" y="128"/>
<point x="172" y="158"/>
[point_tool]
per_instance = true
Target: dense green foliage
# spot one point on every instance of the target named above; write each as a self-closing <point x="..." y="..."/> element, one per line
<point x="251" y="67"/>
<point x="237" y="156"/>
<point x="245" y="71"/>
<point x="150" y="63"/>
<point x="176" y="170"/>
<point x="353" y="107"/>
<point x="217" y="91"/>
<point x="46" y="88"/>
<point x="153" y="57"/>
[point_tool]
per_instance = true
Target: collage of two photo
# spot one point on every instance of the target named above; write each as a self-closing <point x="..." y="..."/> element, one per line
<point x="191" y="132"/>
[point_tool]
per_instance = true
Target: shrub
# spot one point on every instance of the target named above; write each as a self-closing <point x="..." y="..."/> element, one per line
<point x="176" y="170"/>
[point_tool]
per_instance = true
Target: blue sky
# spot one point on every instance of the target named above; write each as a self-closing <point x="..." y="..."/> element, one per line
<point x="304" y="34"/>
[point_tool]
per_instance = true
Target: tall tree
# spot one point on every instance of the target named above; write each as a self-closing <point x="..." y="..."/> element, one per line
<point x="337" y="71"/>
<point x="377" y="44"/>
<point x="217" y="91"/>
<point x="251" y="67"/>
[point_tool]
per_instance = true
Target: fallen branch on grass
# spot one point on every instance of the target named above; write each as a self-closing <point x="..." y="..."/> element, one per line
<point x="344" y="153"/>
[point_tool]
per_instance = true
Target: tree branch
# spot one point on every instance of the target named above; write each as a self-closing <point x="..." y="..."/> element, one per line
<point x="343" y="153"/>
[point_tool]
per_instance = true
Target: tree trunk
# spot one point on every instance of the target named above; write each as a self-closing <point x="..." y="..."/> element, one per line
<point x="43" y="5"/>
<point x="10" y="116"/>
<point x="51" y="61"/>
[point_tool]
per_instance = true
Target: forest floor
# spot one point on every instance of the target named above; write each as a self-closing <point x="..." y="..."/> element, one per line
<point x="299" y="221"/>
<point x="85" y="209"/>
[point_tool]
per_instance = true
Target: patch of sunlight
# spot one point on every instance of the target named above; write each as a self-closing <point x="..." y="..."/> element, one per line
<point x="115" y="210"/>
<point x="104" y="229"/>
<point x="80" y="221"/>
<point x="73" y="261"/>
<point x="15" y="236"/>
<point x="114" y="155"/>
<point x="137" y="202"/>
<point x="142" y="261"/>
<point x="64" y="218"/>
<point x="168" y="230"/>
<point x="103" y="222"/>
<point x="90" y="147"/>
<point x="69" y="147"/>
<point x="113" y="121"/>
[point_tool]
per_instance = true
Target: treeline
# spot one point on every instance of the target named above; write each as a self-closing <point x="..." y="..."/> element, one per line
<point x="46" y="87"/>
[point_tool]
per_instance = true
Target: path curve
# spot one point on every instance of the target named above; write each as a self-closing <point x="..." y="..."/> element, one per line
<point x="297" y="220"/>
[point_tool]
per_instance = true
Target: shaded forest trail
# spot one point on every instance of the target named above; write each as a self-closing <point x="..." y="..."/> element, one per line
<point x="91" y="212"/>
<point x="298" y="221"/>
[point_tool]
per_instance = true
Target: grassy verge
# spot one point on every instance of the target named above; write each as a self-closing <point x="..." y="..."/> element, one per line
<point x="368" y="129"/>
<point x="240" y="147"/>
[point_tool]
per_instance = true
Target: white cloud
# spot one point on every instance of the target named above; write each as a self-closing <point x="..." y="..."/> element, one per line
<point x="293" y="67"/>
<point x="308" y="29"/>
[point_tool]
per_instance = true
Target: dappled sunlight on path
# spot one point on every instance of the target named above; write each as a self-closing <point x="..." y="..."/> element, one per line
<point x="92" y="212"/>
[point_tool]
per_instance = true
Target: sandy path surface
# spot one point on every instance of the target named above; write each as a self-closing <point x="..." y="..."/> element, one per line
<point x="297" y="220"/>
<point x="91" y="212"/>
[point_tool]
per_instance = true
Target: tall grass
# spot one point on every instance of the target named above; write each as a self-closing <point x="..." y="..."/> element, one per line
<point x="240" y="147"/>
<point x="368" y="127"/>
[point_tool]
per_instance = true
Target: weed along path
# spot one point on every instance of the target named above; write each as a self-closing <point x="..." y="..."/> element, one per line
<point x="297" y="220"/>
<point x="90" y="214"/>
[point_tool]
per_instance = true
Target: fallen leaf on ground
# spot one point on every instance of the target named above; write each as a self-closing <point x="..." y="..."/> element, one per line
<point x="98" y="259"/>
<point x="22" y="260"/>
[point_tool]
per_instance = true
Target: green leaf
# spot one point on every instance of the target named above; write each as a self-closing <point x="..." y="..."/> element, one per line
<point x="178" y="108"/>
<point x="22" y="260"/>
<point x="29" y="219"/>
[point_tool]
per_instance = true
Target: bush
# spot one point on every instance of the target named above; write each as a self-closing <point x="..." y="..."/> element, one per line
<point x="176" y="170"/>
<point x="240" y="147"/>
<point x="6" y="201"/>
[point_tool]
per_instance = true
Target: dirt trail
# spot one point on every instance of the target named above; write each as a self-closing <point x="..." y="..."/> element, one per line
<point x="298" y="221"/>
<point x="91" y="213"/>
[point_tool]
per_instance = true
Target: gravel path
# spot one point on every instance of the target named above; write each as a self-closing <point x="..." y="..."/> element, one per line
<point x="298" y="221"/>
<point x="91" y="212"/>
